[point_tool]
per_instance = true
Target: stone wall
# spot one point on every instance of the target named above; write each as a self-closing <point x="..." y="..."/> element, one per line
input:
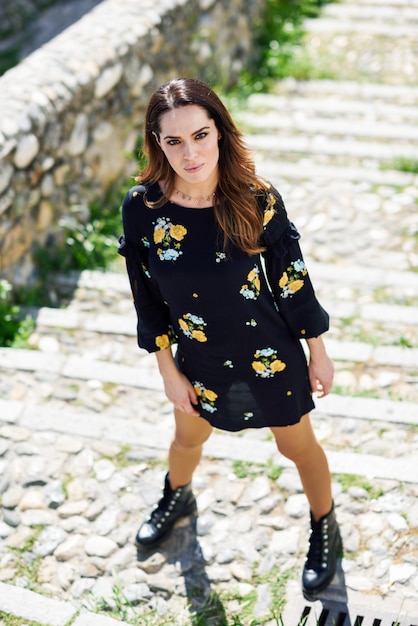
<point x="71" y="113"/>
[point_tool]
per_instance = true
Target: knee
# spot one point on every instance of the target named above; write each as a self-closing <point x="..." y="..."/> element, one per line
<point x="186" y="441"/>
<point x="299" y="452"/>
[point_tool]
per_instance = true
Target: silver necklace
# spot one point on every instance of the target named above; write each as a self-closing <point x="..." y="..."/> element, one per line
<point x="197" y="200"/>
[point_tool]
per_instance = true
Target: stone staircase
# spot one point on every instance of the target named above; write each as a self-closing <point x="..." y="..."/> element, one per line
<point x="332" y="147"/>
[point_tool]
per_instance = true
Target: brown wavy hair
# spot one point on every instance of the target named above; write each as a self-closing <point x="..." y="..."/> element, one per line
<point x="236" y="208"/>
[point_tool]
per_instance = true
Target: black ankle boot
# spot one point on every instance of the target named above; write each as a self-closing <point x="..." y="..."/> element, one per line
<point x="324" y="549"/>
<point x="175" y="503"/>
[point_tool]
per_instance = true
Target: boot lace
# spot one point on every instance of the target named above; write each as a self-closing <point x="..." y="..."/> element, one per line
<point x="165" y="508"/>
<point x="318" y="547"/>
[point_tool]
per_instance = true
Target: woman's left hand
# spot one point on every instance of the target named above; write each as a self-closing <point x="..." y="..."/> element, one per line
<point x="320" y="368"/>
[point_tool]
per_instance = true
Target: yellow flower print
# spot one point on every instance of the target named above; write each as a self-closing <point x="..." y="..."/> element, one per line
<point x="162" y="342"/>
<point x="270" y="209"/>
<point x="292" y="279"/>
<point x="158" y="235"/>
<point x="169" y="236"/>
<point x="199" y="336"/>
<point x="177" y="232"/>
<point x="268" y="215"/>
<point x="251" y="290"/>
<point x="277" y="366"/>
<point x="283" y="281"/>
<point x="296" y="285"/>
<point x="183" y="325"/>
<point x="211" y="395"/>
<point x="267" y="364"/>
<point x="207" y="397"/>
<point x="192" y="326"/>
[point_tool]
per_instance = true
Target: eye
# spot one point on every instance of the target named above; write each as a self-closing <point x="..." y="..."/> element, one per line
<point x="173" y="142"/>
<point x="201" y="135"/>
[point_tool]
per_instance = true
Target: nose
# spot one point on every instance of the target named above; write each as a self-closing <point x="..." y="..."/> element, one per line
<point x="189" y="150"/>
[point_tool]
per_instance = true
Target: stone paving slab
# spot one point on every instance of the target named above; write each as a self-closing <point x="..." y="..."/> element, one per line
<point x="144" y="374"/>
<point x="105" y="427"/>
<point x="125" y="324"/>
<point x="370" y="12"/>
<point x="365" y="91"/>
<point x="321" y="145"/>
<point x="330" y="107"/>
<point x="370" y="129"/>
<point x="377" y="29"/>
<point x="353" y="275"/>
<point x="278" y="171"/>
<point x="32" y="606"/>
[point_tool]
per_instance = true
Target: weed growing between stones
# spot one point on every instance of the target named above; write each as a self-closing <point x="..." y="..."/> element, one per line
<point x="220" y="608"/>
<point x="25" y="563"/>
<point x="347" y="481"/>
<point x="11" y="620"/>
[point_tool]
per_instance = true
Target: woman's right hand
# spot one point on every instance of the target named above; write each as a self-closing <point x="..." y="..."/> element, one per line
<point x="181" y="393"/>
<point x="178" y="388"/>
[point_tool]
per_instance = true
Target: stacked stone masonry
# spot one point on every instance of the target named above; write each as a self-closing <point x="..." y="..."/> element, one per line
<point x="71" y="113"/>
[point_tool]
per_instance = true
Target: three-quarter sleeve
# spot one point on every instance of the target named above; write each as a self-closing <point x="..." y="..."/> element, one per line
<point x="287" y="273"/>
<point x="154" y="328"/>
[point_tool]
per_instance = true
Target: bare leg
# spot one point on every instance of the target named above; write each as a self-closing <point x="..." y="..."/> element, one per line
<point x="299" y="444"/>
<point x="186" y="448"/>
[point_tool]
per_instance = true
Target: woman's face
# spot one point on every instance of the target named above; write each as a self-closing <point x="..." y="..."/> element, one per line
<point x="189" y="140"/>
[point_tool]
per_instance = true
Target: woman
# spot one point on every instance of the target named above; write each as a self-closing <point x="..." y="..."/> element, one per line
<point x="198" y="229"/>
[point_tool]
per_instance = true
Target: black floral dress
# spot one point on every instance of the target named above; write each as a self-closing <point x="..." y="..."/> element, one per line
<point x="237" y="342"/>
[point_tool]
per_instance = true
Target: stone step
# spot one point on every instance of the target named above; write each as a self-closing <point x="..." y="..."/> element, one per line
<point x="96" y="281"/>
<point x="278" y="170"/>
<point x="109" y="428"/>
<point x="334" y="105"/>
<point x="387" y="30"/>
<point x="385" y="3"/>
<point x="345" y="149"/>
<point x="144" y="375"/>
<point x="374" y="93"/>
<point x="117" y="324"/>
<point x="278" y="120"/>
<point x="372" y="12"/>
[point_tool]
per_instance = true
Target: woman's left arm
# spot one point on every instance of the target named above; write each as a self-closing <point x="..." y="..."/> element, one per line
<point x="320" y="367"/>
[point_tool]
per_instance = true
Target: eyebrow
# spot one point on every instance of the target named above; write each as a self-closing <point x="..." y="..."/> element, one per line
<point x="196" y="132"/>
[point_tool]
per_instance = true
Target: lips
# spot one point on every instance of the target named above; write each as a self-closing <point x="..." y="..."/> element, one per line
<point x="193" y="170"/>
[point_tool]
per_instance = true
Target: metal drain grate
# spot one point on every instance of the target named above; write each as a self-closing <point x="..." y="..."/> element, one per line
<point x="336" y="614"/>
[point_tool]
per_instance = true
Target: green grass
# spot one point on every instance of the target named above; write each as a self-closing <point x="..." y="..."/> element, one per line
<point x="11" y="620"/>
<point x="403" y="164"/>
<point x="243" y="469"/>
<point x="353" y="480"/>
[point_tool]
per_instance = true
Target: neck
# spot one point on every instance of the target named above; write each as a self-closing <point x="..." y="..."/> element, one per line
<point x="194" y="198"/>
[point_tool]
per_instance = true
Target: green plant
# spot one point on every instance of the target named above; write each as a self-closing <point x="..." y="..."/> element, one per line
<point x="277" y="50"/>
<point x="14" y="332"/>
<point x="25" y="563"/>
<point x="12" y="620"/>
<point x="403" y="164"/>
<point x="83" y="245"/>
<point x="8" y="314"/>
<point x="353" y="480"/>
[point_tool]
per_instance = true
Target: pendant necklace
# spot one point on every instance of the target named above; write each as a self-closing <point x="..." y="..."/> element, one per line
<point x="197" y="200"/>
